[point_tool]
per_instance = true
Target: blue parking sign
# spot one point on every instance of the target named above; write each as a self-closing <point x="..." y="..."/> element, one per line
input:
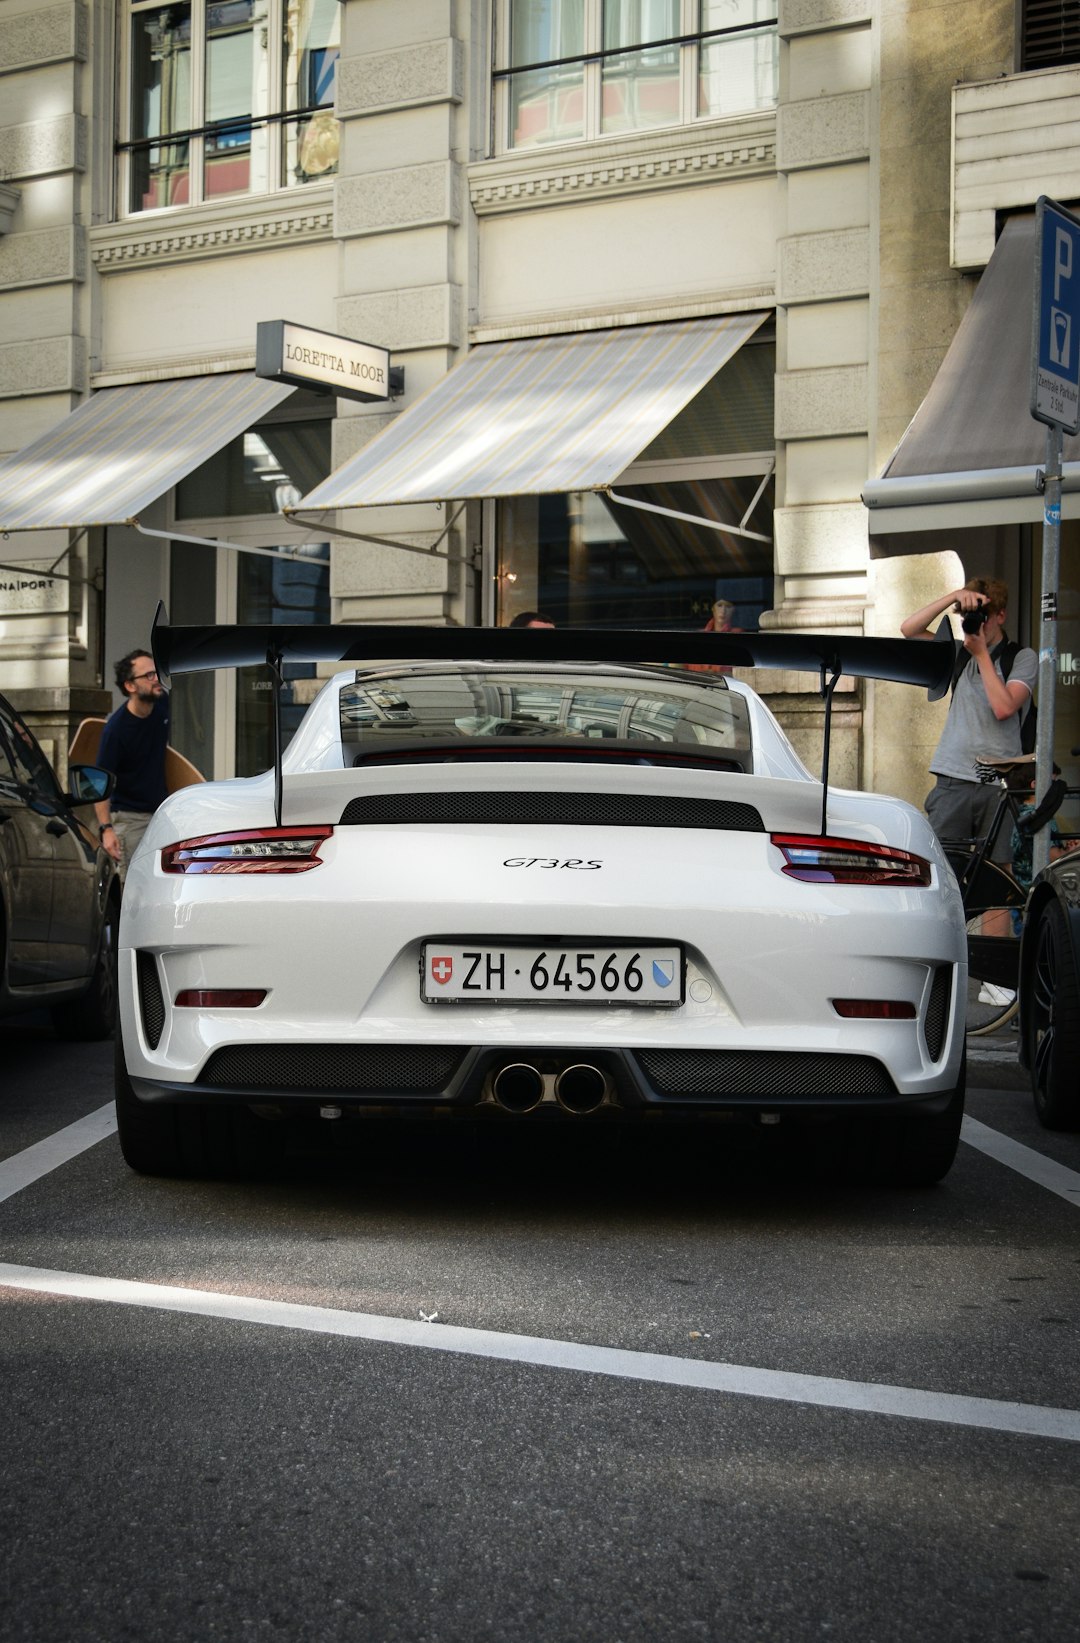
<point x="1055" y="353"/>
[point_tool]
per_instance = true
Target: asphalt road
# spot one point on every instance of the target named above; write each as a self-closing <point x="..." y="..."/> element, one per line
<point x="518" y="1389"/>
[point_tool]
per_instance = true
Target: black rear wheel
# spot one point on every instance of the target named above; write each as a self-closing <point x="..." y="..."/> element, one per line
<point x="1052" y="1024"/>
<point x="914" y="1151"/>
<point x="159" y="1138"/>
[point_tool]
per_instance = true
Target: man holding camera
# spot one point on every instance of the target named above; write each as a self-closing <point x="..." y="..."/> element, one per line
<point x="989" y="705"/>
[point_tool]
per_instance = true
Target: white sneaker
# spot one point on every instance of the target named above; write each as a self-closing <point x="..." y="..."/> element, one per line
<point x="991" y="993"/>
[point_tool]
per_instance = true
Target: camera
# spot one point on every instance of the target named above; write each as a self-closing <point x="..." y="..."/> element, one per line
<point x="972" y="620"/>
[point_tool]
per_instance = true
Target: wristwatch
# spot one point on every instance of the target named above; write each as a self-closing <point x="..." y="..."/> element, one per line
<point x="105" y="827"/>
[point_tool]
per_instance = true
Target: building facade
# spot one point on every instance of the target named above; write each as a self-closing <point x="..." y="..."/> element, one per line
<point x="807" y="190"/>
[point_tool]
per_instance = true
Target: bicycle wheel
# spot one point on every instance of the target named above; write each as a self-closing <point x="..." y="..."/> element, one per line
<point x="993" y="961"/>
<point x="991" y="897"/>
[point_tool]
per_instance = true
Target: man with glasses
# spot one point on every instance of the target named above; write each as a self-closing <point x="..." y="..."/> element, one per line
<point x="133" y="746"/>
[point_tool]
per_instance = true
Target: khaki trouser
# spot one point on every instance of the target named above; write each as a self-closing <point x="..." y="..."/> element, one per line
<point x="129" y="825"/>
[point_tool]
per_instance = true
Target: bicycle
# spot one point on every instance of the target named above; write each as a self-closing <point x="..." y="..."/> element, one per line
<point x="993" y="900"/>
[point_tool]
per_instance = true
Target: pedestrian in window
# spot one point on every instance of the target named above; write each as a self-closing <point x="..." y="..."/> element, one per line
<point x="133" y="746"/>
<point x="531" y="619"/>
<point x="719" y="622"/>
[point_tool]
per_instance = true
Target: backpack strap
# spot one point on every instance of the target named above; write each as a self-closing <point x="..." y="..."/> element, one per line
<point x="1005" y="651"/>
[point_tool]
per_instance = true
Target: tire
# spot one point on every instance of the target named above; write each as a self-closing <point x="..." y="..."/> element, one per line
<point x="157" y="1138"/>
<point x="93" y="1016"/>
<point x="1052" y="1024"/>
<point x="902" y="1152"/>
<point x="982" y="1018"/>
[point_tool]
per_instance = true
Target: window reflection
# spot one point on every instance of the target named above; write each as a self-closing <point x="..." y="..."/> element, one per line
<point x="160" y="105"/>
<point x="246" y="87"/>
<point x="263" y="471"/>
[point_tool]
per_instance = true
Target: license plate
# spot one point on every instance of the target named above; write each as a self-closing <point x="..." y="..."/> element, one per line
<point x="571" y="975"/>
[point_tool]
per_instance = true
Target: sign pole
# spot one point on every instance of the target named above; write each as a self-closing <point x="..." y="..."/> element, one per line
<point x="1055" y="400"/>
<point x="1048" y="635"/>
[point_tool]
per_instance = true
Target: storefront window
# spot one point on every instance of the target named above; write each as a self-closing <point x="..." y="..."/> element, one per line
<point x="228" y="97"/>
<point x="585" y="559"/>
<point x="287" y="590"/>
<point x="193" y="603"/>
<point x="574" y="69"/>
<point x="265" y="470"/>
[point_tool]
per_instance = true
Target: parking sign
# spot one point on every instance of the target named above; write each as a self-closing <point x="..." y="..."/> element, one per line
<point x="1055" y="353"/>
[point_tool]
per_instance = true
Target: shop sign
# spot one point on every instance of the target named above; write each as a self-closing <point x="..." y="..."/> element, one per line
<point x="326" y="363"/>
<point x="28" y="593"/>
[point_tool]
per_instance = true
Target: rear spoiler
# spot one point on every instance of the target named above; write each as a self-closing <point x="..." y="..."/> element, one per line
<point x="193" y="649"/>
<point x="830" y="655"/>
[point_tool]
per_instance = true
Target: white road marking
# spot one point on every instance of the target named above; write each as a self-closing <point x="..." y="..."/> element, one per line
<point x="1045" y="1172"/>
<point x="32" y="1163"/>
<point x="989" y="1414"/>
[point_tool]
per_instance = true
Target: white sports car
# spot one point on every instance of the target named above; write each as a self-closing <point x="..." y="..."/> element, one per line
<point x="493" y="877"/>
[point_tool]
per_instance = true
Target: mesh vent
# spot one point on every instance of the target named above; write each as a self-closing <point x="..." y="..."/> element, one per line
<point x="151" y="1002"/>
<point x="1050" y="33"/>
<point x="312" y="1068"/>
<point x="937" y="1011"/>
<point x="570" y="809"/>
<point x="765" y="1073"/>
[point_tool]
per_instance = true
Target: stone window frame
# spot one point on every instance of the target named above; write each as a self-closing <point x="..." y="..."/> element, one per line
<point x="688" y="39"/>
<point x="276" y="120"/>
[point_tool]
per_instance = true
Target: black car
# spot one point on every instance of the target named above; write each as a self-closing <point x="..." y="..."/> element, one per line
<point x="1050" y="993"/>
<point x="59" y="890"/>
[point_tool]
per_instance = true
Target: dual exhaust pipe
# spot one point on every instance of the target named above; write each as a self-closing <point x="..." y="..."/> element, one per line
<point x="519" y="1087"/>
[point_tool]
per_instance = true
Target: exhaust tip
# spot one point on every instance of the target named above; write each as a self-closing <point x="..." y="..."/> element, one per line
<point x="580" y="1089"/>
<point x="518" y="1087"/>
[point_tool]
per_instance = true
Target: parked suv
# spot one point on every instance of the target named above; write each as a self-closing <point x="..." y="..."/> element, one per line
<point x="59" y="892"/>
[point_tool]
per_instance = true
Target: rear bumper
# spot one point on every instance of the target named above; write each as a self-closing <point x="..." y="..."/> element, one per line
<point x="452" y="1078"/>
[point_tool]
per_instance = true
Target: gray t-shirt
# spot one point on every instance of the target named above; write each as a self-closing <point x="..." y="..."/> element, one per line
<point x="972" y="733"/>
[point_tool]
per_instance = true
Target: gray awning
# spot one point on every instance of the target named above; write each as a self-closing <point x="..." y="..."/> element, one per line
<point x="543" y="414"/>
<point x="124" y="447"/>
<point x="972" y="454"/>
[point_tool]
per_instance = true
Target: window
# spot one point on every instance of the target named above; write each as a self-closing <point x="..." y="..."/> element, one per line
<point x="227" y="97"/>
<point x="1049" y="33"/>
<point x="575" y="69"/>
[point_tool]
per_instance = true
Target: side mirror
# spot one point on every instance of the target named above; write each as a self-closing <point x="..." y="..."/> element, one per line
<point x="88" y="784"/>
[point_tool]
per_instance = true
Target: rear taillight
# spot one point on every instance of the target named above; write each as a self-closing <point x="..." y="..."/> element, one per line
<point x="220" y="998"/>
<point x="849" y="861"/>
<point x="874" y="1009"/>
<point x="263" y="850"/>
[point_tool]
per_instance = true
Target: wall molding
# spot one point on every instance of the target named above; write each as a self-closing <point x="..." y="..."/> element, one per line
<point x="631" y="165"/>
<point x="254" y="223"/>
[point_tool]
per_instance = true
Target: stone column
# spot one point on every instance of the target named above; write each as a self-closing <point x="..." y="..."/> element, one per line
<point x="401" y="216"/>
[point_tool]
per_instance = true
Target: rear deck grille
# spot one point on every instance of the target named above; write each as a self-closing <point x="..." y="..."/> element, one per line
<point x="309" y="1069"/>
<point x="504" y="809"/>
<point x="765" y="1073"/>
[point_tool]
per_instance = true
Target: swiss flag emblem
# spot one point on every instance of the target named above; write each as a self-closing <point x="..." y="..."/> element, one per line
<point x="441" y="970"/>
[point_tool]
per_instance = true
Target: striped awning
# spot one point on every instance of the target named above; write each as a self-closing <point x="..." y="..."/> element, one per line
<point x="521" y="418"/>
<point x="124" y="447"/>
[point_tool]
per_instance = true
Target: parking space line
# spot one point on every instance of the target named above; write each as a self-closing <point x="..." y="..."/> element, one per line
<point x="989" y="1414"/>
<point x="28" y="1166"/>
<point x="1045" y="1172"/>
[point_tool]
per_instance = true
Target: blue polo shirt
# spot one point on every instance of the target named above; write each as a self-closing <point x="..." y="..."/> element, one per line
<point x="134" y="750"/>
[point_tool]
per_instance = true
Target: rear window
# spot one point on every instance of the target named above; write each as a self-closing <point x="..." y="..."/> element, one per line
<point x="491" y="708"/>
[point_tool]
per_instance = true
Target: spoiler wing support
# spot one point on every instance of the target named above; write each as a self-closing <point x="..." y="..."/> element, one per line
<point x="827" y="688"/>
<point x="277" y="674"/>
